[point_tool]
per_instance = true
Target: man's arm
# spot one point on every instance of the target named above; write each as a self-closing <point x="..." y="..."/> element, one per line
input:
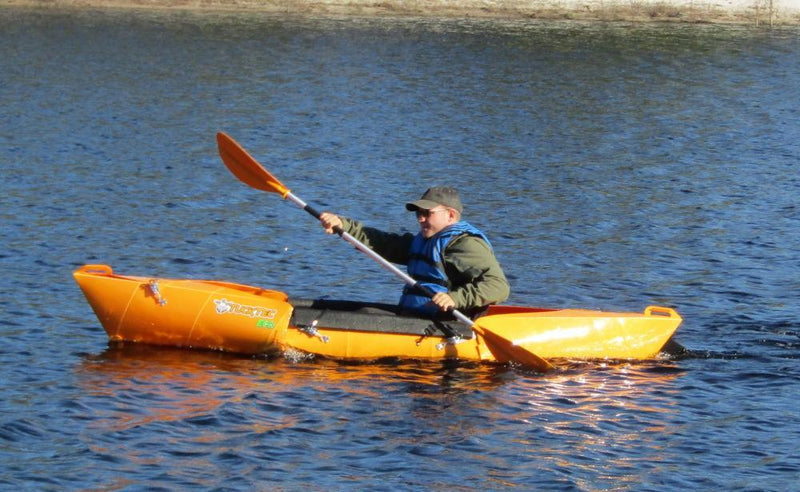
<point x="476" y="275"/>
<point x="393" y="247"/>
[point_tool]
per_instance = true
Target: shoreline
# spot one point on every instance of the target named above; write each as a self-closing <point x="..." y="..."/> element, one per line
<point x="745" y="12"/>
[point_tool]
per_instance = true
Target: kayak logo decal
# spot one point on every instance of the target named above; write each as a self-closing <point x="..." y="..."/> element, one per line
<point x="264" y="323"/>
<point x="224" y="306"/>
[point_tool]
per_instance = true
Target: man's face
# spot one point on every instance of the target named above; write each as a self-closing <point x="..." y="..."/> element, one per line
<point x="434" y="220"/>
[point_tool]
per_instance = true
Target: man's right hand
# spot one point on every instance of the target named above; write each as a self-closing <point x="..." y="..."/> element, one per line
<point x="330" y="221"/>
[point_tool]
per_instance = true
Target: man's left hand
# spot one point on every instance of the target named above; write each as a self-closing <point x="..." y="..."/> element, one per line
<point x="443" y="301"/>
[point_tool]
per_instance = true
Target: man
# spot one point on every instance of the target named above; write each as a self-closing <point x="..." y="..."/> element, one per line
<point x="450" y="256"/>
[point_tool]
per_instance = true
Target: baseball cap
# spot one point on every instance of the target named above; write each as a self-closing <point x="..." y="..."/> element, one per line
<point x="437" y="195"/>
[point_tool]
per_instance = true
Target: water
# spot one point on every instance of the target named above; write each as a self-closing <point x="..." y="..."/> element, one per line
<point x="614" y="166"/>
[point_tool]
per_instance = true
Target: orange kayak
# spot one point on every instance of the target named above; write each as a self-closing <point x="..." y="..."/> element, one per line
<point x="225" y="316"/>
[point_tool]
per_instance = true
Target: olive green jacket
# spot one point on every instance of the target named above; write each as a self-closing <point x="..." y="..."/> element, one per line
<point x="469" y="263"/>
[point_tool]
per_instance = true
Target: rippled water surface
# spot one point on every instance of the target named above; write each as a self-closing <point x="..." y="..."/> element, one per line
<point x="614" y="166"/>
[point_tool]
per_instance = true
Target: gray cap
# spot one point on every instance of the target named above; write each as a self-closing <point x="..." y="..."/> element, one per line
<point x="438" y="195"/>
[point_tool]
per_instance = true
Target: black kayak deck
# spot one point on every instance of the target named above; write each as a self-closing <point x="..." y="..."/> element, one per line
<point x="370" y="316"/>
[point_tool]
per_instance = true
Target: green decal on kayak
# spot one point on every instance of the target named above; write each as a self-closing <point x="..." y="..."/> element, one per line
<point x="264" y="323"/>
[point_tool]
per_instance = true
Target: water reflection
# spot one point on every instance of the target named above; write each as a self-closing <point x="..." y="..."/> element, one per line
<point x="217" y="407"/>
<point x="151" y="384"/>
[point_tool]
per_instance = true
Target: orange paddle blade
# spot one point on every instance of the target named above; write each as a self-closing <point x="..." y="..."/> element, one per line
<point x="504" y="350"/>
<point x="246" y="168"/>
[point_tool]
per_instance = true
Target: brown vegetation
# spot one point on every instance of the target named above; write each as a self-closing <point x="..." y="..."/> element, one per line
<point x="757" y="12"/>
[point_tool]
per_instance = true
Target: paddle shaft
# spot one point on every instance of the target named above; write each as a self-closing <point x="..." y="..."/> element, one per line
<point x="501" y="348"/>
<point x="375" y="256"/>
<point x="504" y="350"/>
<point x="504" y="353"/>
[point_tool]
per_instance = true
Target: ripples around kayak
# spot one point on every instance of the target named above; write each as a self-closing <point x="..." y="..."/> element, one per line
<point x="417" y="424"/>
<point x="614" y="166"/>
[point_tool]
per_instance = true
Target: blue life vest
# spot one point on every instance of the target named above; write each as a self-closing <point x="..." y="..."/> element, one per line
<point x="425" y="265"/>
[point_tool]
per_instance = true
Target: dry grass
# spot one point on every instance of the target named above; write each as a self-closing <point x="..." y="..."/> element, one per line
<point x="758" y="12"/>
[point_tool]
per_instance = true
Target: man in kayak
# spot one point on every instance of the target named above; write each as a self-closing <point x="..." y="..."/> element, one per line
<point x="449" y="255"/>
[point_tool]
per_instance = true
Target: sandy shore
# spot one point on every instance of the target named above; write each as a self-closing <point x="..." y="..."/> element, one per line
<point x="756" y="12"/>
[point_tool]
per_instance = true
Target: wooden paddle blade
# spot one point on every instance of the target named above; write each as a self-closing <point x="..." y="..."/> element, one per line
<point x="246" y="168"/>
<point x="504" y="350"/>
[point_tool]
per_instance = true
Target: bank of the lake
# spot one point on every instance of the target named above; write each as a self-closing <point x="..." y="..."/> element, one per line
<point x="756" y="12"/>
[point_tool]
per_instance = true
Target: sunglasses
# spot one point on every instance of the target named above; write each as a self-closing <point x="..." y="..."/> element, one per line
<point x="427" y="213"/>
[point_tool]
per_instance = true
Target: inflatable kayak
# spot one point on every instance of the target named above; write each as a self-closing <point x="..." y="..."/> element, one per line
<point x="215" y="315"/>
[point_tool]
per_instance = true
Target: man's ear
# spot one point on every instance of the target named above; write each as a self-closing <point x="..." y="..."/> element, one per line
<point x="453" y="214"/>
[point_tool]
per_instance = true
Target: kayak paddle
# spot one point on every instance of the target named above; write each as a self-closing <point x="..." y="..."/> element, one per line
<point x="249" y="171"/>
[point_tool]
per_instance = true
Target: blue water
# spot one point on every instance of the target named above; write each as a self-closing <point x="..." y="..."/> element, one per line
<point x="613" y="165"/>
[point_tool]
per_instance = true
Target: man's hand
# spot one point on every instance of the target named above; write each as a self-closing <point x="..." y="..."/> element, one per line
<point x="330" y="221"/>
<point x="443" y="301"/>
